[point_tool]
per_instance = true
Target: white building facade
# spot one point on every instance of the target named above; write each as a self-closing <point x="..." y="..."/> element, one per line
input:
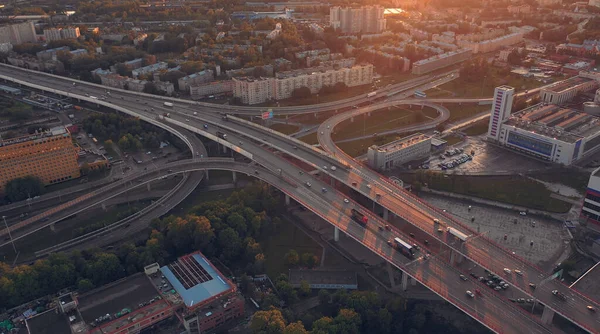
<point x="366" y="19"/>
<point x="501" y="107"/>
<point x="399" y="152"/>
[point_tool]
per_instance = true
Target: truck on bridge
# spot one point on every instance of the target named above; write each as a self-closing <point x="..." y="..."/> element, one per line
<point x="359" y="218"/>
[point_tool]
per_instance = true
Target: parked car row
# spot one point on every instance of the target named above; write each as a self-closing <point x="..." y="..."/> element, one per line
<point x="458" y="161"/>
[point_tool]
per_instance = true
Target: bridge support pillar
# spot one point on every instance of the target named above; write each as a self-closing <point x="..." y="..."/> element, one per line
<point x="452" y="257"/>
<point x="104" y="206"/>
<point x="224" y="149"/>
<point x="234" y="176"/>
<point x="287" y="200"/>
<point x="332" y="183"/>
<point x="206" y="175"/>
<point x="351" y="119"/>
<point x="336" y="234"/>
<point x="404" y="281"/>
<point x="391" y="275"/>
<point x="386" y="214"/>
<point x="148" y="186"/>
<point x="413" y="282"/>
<point x="52" y="228"/>
<point x="547" y="315"/>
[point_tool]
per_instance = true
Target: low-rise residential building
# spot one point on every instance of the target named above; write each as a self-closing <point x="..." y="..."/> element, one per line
<point x="150" y="69"/>
<point x="284" y="14"/>
<point x="265" y="71"/>
<point x="195" y="79"/>
<point x="440" y="61"/>
<point x="55" y="34"/>
<point x="492" y="44"/>
<point x="33" y="63"/>
<point x="51" y="53"/>
<point x="140" y="38"/>
<point x="78" y="53"/>
<point x="549" y="2"/>
<point x="522" y="9"/>
<point x="215" y="88"/>
<point x="165" y="86"/>
<point x="399" y="152"/>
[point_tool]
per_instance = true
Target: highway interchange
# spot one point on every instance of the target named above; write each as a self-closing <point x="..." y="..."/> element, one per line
<point x="243" y="135"/>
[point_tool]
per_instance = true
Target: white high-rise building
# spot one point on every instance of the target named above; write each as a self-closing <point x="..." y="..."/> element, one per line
<point x="366" y="19"/>
<point x="501" y="107"/>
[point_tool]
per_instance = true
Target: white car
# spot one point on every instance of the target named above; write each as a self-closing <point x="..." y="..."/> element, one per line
<point x="369" y="186"/>
<point x="518" y="272"/>
<point x="508" y="271"/>
<point x="308" y="184"/>
<point x="523" y="213"/>
<point x="470" y="294"/>
<point x="333" y="168"/>
<point x="346" y="200"/>
<point x="325" y="167"/>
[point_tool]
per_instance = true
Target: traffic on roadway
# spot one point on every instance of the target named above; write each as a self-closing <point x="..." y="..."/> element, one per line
<point x="414" y="211"/>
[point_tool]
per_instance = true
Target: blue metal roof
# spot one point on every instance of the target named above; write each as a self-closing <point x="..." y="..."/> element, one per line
<point x="202" y="291"/>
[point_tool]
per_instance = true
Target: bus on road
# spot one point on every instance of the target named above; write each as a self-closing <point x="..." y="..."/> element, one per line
<point x="404" y="247"/>
<point x="420" y="94"/>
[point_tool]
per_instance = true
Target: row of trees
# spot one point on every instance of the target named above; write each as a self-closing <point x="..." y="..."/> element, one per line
<point x="356" y="312"/>
<point x="222" y="229"/>
<point x="129" y="133"/>
<point x="14" y="111"/>
<point x="22" y="188"/>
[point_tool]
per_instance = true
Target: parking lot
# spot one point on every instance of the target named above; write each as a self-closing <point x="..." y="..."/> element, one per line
<point x="487" y="159"/>
<point x="549" y="238"/>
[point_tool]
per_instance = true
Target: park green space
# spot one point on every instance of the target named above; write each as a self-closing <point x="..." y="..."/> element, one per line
<point x="510" y="189"/>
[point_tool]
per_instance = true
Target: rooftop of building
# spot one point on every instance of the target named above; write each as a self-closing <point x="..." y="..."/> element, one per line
<point x="216" y="306"/>
<point x="49" y="322"/>
<point x="565" y="124"/>
<point x="402" y="142"/>
<point x="62" y="48"/>
<point x="56" y="131"/>
<point x="128" y="293"/>
<point x="197" y="74"/>
<point x="133" y="316"/>
<point x="196" y="280"/>
<point x="156" y="66"/>
<point x="323" y="276"/>
<point x="567" y="84"/>
<point x="442" y="56"/>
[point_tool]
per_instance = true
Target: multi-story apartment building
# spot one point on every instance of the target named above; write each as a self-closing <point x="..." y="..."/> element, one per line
<point x="50" y="155"/>
<point x="18" y="33"/>
<point x="440" y="61"/>
<point x="492" y="44"/>
<point x="149" y="69"/>
<point x="195" y="79"/>
<point x="366" y="19"/>
<point x="549" y="2"/>
<point x="212" y="88"/>
<point x="254" y="91"/>
<point x="51" y="53"/>
<point x="55" y="34"/>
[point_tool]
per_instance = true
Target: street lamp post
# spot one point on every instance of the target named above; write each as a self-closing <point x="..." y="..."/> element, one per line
<point x="9" y="235"/>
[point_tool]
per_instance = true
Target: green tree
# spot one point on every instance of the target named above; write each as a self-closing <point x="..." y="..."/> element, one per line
<point x="24" y="187"/>
<point x="84" y="285"/>
<point x="291" y="258"/>
<point x="268" y="322"/>
<point x="324" y="297"/>
<point x="304" y="288"/>
<point x="230" y="243"/>
<point x="295" y="328"/>
<point x="309" y="260"/>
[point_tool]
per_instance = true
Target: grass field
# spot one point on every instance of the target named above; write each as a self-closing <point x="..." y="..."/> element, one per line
<point x="286" y="129"/>
<point x="459" y="112"/>
<point x="287" y="237"/>
<point x="477" y="128"/>
<point x="310" y="138"/>
<point x="382" y="120"/>
<point x="485" y="88"/>
<point x="513" y="189"/>
<point x="453" y="139"/>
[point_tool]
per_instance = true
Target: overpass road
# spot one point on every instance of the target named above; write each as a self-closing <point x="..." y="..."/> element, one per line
<point x="478" y="248"/>
<point x="183" y="116"/>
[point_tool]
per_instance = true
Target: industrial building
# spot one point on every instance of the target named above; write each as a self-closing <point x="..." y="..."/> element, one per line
<point x="549" y="132"/>
<point x="191" y="289"/>
<point x="324" y="279"/>
<point x="366" y="19"/>
<point x="50" y="155"/>
<point x="564" y="91"/>
<point x="440" y="61"/>
<point x="399" y="152"/>
<point x="590" y="211"/>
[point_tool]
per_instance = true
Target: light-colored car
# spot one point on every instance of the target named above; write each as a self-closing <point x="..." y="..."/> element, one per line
<point x="346" y="200"/>
<point x="333" y="168"/>
<point x="462" y="277"/>
<point x="523" y="213"/>
<point x="308" y="184"/>
<point x="508" y="271"/>
<point x="518" y="272"/>
<point x="470" y="294"/>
